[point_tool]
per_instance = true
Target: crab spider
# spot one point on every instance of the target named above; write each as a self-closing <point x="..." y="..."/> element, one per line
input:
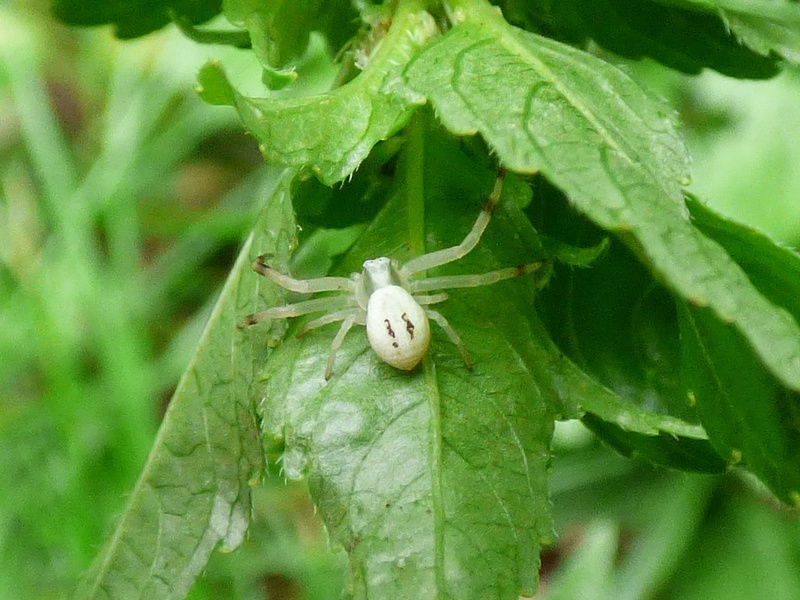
<point x="386" y="299"/>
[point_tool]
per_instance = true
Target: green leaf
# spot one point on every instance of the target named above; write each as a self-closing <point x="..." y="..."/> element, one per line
<point x="280" y="29"/>
<point x="230" y="37"/>
<point x="194" y="492"/>
<point x="134" y="18"/>
<point x="768" y="35"/>
<point x="318" y="205"/>
<point x="773" y="269"/>
<point x="613" y="319"/>
<point x="332" y="133"/>
<point x="750" y="415"/>
<point x="574" y="256"/>
<point x="676" y="445"/>
<point x="630" y="429"/>
<point x="612" y="149"/>
<point x="619" y="326"/>
<point x="434" y="481"/>
<point x="563" y="112"/>
<point x="766" y="26"/>
<point x="213" y="87"/>
<point x="681" y="38"/>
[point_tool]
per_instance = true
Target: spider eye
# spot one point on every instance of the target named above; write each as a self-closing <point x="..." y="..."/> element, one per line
<point x="378" y="273"/>
<point x="376" y="263"/>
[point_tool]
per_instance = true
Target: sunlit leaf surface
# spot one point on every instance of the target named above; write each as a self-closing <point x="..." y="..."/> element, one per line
<point x="433" y="481"/>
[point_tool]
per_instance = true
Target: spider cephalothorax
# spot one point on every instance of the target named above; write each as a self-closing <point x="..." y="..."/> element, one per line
<point x="386" y="298"/>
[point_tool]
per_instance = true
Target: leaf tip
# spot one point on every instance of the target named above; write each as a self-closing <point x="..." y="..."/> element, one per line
<point x="213" y="86"/>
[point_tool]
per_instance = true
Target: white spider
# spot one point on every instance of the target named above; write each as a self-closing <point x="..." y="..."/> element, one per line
<point x="387" y="300"/>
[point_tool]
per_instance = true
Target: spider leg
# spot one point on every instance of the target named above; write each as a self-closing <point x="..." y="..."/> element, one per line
<point x="337" y="342"/>
<point x="339" y="315"/>
<point x="447" y="255"/>
<point x="309" y="286"/>
<point x="451" y="333"/>
<point x="432" y="299"/>
<point x="466" y="281"/>
<point x="294" y="310"/>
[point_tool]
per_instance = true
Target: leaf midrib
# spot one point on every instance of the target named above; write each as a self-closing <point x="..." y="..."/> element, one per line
<point x="480" y="14"/>
<point x="435" y="462"/>
<point x="495" y="23"/>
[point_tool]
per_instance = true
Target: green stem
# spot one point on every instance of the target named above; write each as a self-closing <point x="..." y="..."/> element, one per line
<point x="414" y="177"/>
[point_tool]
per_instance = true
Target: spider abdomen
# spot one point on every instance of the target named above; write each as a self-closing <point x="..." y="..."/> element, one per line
<point x="397" y="327"/>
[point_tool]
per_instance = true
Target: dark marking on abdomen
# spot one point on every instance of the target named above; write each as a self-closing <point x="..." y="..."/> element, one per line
<point x="390" y="331"/>
<point x="409" y="325"/>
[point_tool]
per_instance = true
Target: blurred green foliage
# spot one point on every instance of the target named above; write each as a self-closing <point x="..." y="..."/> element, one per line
<point x="123" y="200"/>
